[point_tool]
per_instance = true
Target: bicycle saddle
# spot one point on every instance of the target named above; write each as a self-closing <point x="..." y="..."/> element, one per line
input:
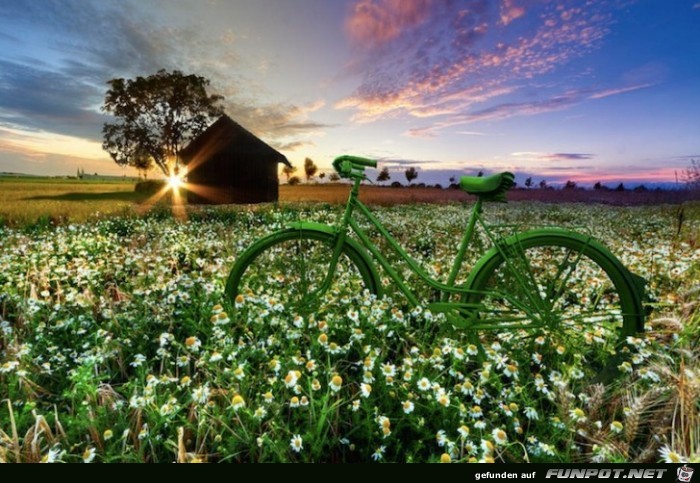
<point x="488" y="188"/>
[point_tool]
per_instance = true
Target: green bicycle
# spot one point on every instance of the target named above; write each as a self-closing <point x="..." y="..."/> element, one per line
<point x="547" y="284"/>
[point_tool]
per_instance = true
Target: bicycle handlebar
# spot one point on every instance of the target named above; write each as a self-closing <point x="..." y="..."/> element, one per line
<point x="345" y="165"/>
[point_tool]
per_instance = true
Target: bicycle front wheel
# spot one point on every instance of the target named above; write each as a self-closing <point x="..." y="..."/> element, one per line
<point x="293" y="271"/>
<point x="567" y="301"/>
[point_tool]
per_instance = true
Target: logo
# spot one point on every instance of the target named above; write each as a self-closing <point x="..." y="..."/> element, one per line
<point x="684" y="474"/>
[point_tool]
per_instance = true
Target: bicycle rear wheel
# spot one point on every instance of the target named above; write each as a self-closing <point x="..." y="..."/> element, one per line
<point x="288" y="271"/>
<point x="567" y="301"/>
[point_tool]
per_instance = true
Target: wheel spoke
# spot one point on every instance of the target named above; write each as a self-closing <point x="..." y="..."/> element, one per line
<point x="554" y="293"/>
<point x="293" y="268"/>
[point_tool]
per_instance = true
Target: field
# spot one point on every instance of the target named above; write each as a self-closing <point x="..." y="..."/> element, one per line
<point x="47" y="201"/>
<point x="118" y="344"/>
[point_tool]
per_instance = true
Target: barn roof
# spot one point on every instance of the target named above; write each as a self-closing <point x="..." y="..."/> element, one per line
<point x="227" y="135"/>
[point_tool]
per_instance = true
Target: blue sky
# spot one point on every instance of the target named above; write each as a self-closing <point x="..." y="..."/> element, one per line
<point x="583" y="90"/>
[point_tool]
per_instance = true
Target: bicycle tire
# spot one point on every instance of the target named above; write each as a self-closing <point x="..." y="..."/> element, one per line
<point x="287" y="268"/>
<point x="584" y="300"/>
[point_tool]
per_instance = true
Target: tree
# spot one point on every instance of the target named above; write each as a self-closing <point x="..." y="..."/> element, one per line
<point x="543" y="184"/>
<point x="383" y="175"/>
<point x="156" y="116"/>
<point x="322" y="175"/>
<point x="310" y="169"/>
<point x="293" y="181"/>
<point x="620" y="187"/>
<point x="528" y="182"/>
<point x="288" y="171"/>
<point x="334" y="177"/>
<point x="598" y="186"/>
<point x="411" y="174"/>
<point x="570" y="185"/>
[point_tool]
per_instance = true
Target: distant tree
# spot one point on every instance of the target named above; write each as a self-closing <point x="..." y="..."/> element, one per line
<point x="640" y="189"/>
<point x="396" y="184"/>
<point x="310" y="169"/>
<point x="411" y="174"/>
<point x="620" y="187"/>
<point x="293" y="181"/>
<point x="543" y="184"/>
<point x="452" y="179"/>
<point x="156" y="116"/>
<point x="321" y="175"/>
<point x="598" y="186"/>
<point x="334" y="177"/>
<point x="383" y="175"/>
<point x="528" y="182"/>
<point x="437" y="186"/>
<point x="691" y="176"/>
<point x="570" y="185"/>
<point x="288" y="171"/>
<point x="480" y="173"/>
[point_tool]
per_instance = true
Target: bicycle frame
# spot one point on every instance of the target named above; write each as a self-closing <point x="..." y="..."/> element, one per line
<point x="354" y="204"/>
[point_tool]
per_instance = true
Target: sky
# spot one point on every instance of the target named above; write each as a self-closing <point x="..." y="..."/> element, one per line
<point x="583" y="90"/>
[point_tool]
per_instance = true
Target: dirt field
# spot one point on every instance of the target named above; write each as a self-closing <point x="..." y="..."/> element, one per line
<point x="338" y="193"/>
<point x="48" y="200"/>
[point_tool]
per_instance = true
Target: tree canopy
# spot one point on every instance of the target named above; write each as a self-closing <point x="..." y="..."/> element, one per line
<point x="384" y="175"/>
<point x="310" y="169"/>
<point x="411" y="174"/>
<point x="156" y="117"/>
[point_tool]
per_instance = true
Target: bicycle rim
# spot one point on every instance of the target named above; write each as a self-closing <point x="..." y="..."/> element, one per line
<point x="288" y="273"/>
<point x="561" y="300"/>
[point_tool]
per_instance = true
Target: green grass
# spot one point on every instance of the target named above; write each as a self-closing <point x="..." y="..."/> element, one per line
<point x="27" y="201"/>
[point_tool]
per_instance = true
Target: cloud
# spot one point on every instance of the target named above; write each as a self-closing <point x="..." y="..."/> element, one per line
<point x="287" y="127"/>
<point x="372" y="23"/>
<point x="553" y="156"/>
<point x="291" y="146"/>
<point x="510" y="11"/>
<point x="45" y="100"/>
<point x="507" y="110"/>
<point x="453" y="61"/>
<point x="398" y="162"/>
<point x="53" y="79"/>
<point x="621" y="90"/>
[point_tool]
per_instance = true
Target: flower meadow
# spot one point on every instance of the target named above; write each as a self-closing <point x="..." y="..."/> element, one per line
<point x="117" y="344"/>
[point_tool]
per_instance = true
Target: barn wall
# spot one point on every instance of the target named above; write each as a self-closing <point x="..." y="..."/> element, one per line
<point x="236" y="178"/>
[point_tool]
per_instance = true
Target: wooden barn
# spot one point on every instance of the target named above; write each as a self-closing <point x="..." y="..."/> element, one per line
<point x="228" y="164"/>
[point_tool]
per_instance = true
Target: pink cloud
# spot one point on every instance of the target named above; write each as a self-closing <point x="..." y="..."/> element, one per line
<point x="446" y="61"/>
<point x="510" y="11"/>
<point x="376" y="22"/>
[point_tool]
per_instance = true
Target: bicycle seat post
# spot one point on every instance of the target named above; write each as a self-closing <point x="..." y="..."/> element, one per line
<point x="354" y="193"/>
<point x="466" y="239"/>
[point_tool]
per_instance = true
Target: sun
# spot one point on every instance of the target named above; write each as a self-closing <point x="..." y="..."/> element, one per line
<point x="175" y="181"/>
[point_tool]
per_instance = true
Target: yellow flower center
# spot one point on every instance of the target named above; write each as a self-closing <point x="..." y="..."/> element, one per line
<point x="237" y="401"/>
